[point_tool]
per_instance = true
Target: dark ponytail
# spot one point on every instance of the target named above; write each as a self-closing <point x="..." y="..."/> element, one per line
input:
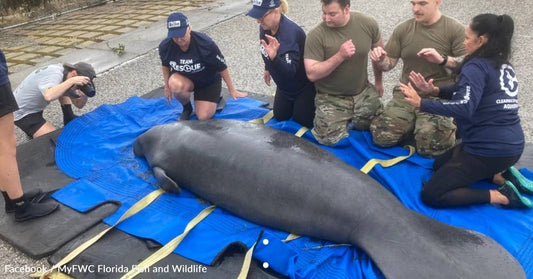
<point x="499" y="31"/>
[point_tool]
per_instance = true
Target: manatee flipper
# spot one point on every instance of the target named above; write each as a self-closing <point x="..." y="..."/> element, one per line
<point x="137" y="148"/>
<point x="166" y="183"/>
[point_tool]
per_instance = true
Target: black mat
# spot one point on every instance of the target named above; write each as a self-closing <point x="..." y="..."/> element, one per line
<point x="41" y="237"/>
<point x="121" y="250"/>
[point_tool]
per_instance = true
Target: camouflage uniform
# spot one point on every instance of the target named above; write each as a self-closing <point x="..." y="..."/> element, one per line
<point x="434" y="134"/>
<point x="334" y="112"/>
<point x="345" y="94"/>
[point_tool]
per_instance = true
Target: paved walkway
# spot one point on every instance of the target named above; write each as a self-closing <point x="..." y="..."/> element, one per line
<point x="79" y="29"/>
<point x="40" y="42"/>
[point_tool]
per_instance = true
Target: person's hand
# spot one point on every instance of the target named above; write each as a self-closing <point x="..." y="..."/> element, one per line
<point x="410" y="94"/>
<point x="431" y="55"/>
<point x="420" y="82"/>
<point x="81" y="94"/>
<point x="237" y="94"/>
<point x="347" y="49"/>
<point x="271" y="47"/>
<point x="378" y="54"/>
<point x="79" y="81"/>
<point x="266" y="77"/>
<point x="168" y="95"/>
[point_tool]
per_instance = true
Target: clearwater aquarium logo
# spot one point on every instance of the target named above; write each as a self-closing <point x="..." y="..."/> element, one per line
<point x="508" y="80"/>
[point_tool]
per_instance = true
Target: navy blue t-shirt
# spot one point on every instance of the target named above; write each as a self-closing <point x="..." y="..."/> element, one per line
<point x="484" y="104"/>
<point x="287" y="69"/>
<point x="3" y="69"/>
<point x="201" y="63"/>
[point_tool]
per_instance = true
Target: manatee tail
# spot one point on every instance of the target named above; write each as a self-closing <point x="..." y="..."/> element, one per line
<point x="420" y="247"/>
<point x="166" y="183"/>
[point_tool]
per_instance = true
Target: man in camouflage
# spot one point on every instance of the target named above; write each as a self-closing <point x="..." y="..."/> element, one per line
<point x="428" y="29"/>
<point x="339" y="71"/>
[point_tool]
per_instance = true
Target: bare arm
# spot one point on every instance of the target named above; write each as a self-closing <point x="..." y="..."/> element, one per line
<point x="378" y="73"/>
<point x="57" y="91"/>
<point x="317" y="70"/>
<point x="81" y="101"/>
<point x="234" y="92"/>
<point x="433" y="56"/>
<point x="454" y="62"/>
<point x="380" y="58"/>
<point x="166" y="76"/>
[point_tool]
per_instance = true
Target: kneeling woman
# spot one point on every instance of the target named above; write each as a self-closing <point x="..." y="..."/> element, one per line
<point x="484" y="105"/>
<point x="282" y="49"/>
<point x="191" y="61"/>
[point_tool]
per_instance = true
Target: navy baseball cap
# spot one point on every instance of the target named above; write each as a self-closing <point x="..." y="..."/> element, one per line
<point x="260" y="7"/>
<point x="177" y="24"/>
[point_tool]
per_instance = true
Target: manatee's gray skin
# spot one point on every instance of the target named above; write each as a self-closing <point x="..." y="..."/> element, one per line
<point x="276" y="179"/>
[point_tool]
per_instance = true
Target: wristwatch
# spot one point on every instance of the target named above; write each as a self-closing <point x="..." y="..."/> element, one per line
<point x="445" y="59"/>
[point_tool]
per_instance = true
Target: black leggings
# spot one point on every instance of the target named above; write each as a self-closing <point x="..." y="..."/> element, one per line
<point x="455" y="170"/>
<point x="301" y="108"/>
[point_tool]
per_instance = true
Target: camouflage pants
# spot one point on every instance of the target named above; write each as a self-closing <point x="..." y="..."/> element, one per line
<point x="434" y="134"/>
<point x="334" y="112"/>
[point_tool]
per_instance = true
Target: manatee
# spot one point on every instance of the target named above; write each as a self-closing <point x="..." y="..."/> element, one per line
<point x="278" y="180"/>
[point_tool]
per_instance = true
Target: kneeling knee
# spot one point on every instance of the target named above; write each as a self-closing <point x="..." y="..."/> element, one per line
<point x="430" y="199"/>
<point x="384" y="138"/>
<point x="386" y="133"/>
<point x="204" y="115"/>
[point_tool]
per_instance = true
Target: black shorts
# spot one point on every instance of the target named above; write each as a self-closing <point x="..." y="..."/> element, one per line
<point x="31" y="123"/>
<point x="209" y="93"/>
<point x="7" y="100"/>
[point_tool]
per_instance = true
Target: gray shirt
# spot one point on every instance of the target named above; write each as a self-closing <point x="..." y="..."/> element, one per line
<point x="30" y="93"/>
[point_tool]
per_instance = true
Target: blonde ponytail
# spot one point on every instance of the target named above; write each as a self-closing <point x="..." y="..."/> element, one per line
<point x="284" y="7"/>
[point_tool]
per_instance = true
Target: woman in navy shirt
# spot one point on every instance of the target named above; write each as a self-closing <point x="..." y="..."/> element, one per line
<point x="282" y="48"/>
<point x="191" y="61"/>
<point x="485" y="107"/>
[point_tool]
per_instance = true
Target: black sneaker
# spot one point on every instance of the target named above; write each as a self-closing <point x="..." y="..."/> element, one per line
<point x="522" y="184"/>
<point x="68" y="114"/>
<point x="221" y="104"/>
<point x="515" y="199"/>
<point x="35" y="195"/>
<point x="67" y="119"/>
<point x="31" y="210"/>
<point x="187" y="111"/>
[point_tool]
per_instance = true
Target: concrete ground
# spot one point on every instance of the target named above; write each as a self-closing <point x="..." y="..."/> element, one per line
<point x="137" y="71"/>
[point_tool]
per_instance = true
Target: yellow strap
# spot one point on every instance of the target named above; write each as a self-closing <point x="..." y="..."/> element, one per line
<point x="169" y="247"/>
<point x="247" y="262"/>
<point x="263" y="120"/>
<point x="131" y="211"/>
<point x="386" y="163"/>
<point x="248" y="259"/>
<point x="291" y="237"/>
<point x="58" y="275"/>
<point x="301" y="132"/>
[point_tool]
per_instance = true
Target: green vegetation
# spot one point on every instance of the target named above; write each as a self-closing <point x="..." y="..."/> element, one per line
<point x="17" y="5"/>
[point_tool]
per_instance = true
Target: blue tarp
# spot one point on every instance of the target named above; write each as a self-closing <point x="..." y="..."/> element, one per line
<point x="97" y="150"/>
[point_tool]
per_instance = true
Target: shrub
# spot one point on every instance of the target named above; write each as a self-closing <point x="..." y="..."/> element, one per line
<point x="25" y="5"/>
